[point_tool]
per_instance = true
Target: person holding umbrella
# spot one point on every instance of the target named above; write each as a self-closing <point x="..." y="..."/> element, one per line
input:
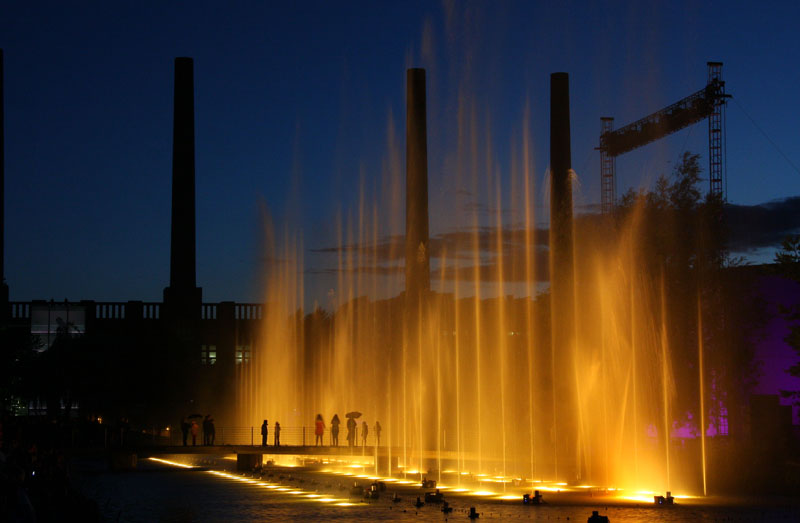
<point x="352" y="427"/>
<point x="335" y="430"/>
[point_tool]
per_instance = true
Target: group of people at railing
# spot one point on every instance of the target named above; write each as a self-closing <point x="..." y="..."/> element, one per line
<point x="276" y="431"/>
<point x="352" y="430"/>
<point x="190" y="426"/>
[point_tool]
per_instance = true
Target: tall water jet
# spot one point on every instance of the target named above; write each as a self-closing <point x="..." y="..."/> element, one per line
<point x="700" y="372"/>
<point x="565" y="405"/>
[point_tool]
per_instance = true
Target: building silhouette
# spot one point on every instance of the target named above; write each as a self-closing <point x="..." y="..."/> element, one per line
<point x="194" y="346"/>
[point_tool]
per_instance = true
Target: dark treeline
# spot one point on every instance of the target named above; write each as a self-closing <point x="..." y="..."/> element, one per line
<point x="682" y="239"/>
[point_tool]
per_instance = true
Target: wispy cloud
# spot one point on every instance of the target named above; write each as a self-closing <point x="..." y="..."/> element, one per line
<point x="765" y="225"/>
<point x="485" y="253"/>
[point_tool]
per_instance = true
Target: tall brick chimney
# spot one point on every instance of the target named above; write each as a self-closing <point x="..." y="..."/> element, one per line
<point x="561" y="282"/>
<point x="417" y="264"/>
<point x="4" y="309"/>
<point x="183" y="297"/>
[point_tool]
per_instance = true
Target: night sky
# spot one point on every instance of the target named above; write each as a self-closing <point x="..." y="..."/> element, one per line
<point x="294" y="101"/>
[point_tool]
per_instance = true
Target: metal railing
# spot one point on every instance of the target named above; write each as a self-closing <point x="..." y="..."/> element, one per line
<point x="20" y="310"/>
<point x="290" y="436"/>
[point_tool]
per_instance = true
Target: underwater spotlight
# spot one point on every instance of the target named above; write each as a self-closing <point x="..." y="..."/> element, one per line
<point x="428" y="483"/>
<point x="664" y="500"/>
<point x="434" y="497"/>
<point x="373" y="492"/>
<point x="536" y="499"/>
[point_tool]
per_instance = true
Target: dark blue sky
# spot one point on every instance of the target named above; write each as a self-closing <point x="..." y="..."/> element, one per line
<point x="292" y="108"/>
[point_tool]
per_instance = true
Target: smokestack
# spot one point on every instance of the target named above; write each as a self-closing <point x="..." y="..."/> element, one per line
<point x="561" y="279"/>
<point x="417" y="266"/>
<point x="3" y="286"/>
<point x="560" y="165"/>
<point x="182" y="280"/>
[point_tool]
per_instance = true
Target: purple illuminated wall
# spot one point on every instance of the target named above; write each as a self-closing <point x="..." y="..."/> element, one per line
<point x="772" y="351"/>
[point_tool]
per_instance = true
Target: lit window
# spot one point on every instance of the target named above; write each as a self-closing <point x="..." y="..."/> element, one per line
<point x="243" y="354"/>
<point x="208" y="354"/>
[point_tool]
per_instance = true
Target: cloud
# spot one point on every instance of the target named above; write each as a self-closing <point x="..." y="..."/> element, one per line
<point x="753" y="227"/>
<point x="488" y="251"/>
<point x="380" y="270"/>
<point x="496" y="250"/>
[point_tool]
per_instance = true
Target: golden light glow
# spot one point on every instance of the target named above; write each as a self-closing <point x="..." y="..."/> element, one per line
<point x="303" y="494"/>
<point x="640" y="498"/>
<point x="173" y="463"/>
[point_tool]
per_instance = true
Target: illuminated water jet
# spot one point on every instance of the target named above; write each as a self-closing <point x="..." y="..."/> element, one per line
<point x="477" y="376"/>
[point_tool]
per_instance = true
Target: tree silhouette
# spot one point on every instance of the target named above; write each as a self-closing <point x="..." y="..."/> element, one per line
<point x="788" y="262"/>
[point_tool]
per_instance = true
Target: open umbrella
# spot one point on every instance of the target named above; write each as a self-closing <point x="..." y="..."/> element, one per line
<point x="192" y="416"/>
<point x="354" y="414"/>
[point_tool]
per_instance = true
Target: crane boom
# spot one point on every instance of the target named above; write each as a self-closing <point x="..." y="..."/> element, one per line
<point x="683" y="113"/>
<point x="707" y="103"/>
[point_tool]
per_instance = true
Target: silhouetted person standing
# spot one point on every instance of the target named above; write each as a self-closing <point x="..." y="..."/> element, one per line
<point x="264" y="431"/>
<point x="212" y="430"/>
<point x="351" y="431"/>
<point x="364" y="431"/>
<point x="335" y="430"/>
<point x="185" y="426"/>
<point x="206" y="430"/>
<point x="195" y="430"/>
<point x="277" y="434"/>
<point x="319" y="430"/>
<point x="377" y="433"/>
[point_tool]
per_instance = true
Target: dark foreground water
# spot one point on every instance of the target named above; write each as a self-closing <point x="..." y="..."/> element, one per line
<point x="163" y="493"/>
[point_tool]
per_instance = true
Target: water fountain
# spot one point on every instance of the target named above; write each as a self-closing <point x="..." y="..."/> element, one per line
<point x="470" y="383"/>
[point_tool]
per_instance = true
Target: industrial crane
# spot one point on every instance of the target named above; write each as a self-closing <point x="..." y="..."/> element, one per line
<point x="707" y="103"/>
